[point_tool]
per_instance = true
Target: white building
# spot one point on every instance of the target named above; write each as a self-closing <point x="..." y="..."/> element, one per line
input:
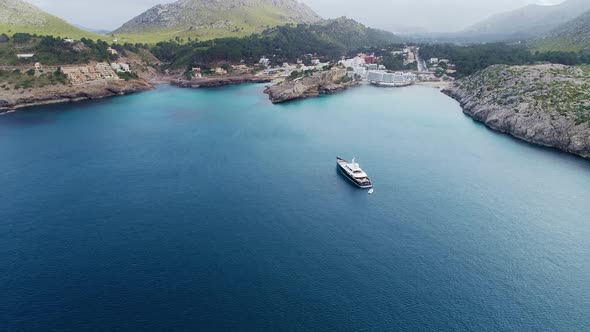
<point x="121" y="67"/>
<point x="25" y="55"/>
<point x="354" y="62"/>
<point x="264" y="61"/>
<point x="220" y="71"/>
<point x="125" y="67"/>
<point x="433" y="61"/>
<point x="360" y="72"/>
<point x="315" y="62"/>
<point x="391" y="78"/>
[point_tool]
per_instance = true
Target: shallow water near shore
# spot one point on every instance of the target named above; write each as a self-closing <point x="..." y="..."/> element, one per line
<point x="214" y="209"/>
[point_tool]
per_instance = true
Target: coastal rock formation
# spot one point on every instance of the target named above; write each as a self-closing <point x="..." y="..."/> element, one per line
<point x="328" y="81"/>
<point x="547" y="105"/>
<point x="11" y="100"/>
<point x="220" y="81"/>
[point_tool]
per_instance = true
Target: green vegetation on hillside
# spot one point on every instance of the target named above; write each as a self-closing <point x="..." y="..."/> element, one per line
<point x="470" y="59"/>
<point x="20" y="16"/>
<point x="51" y="50"/>
<point x="16" y="80"/>
<point x="533" y="20"/>
<point x="565" y="90"/>
<point x="200" y="20"/>
<point x="572" y="36"/>
<point x="331" y="40"/>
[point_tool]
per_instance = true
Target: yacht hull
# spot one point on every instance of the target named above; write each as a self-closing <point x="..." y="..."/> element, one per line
<point x="362" y="185"/>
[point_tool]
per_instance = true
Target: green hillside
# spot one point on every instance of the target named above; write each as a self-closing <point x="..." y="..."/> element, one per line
<point x="20" y="16"/>
<point x="328" y="40"/>
<point x="527" y="22"/>
<point x="208" y="19"/>
<point x="572" y="36"/>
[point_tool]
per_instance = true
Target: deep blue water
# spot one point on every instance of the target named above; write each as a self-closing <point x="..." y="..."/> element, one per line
<point x="215" y="210"/>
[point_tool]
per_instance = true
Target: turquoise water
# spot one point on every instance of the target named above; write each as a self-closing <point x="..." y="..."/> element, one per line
<point x="214" y="209"/>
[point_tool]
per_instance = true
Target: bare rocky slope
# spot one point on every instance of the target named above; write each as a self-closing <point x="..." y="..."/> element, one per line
<point x="213" y="17"/>
<point x="21" y="16"/>
<point x="547" y="105"/>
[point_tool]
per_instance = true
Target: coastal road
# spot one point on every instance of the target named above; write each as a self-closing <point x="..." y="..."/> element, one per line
<point x="422" y="67"/>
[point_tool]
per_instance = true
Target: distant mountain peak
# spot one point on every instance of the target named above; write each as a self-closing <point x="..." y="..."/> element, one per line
<point x="529" y="21"/>
<point x="18" y="12"/>
<point x="21" y="16"/>
<point x="573" y="35"/>
<point x="221" y="17"/>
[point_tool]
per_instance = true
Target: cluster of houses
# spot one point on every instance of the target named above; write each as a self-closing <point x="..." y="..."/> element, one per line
<point x="264" y="61"/>
<point x="241" y="69"/>
<point x="88" y="73"/>
<point x="445" y="65"/>
<point x="287" y="68"/>
<point x="197" y="72"/>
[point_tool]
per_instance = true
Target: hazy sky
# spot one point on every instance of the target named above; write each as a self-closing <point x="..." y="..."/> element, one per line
<point x="433" y="15"/>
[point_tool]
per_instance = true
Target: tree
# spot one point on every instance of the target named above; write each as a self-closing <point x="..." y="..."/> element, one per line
<point x="20" y="37"/>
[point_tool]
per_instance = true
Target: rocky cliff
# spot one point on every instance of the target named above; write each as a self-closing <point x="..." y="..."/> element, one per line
<point x="547" y="105"/>
<point x="11" y="100"/>
<point x="328" y="81"/>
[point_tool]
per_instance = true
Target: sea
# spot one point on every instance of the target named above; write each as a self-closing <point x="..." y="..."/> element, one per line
<point x="215" y="210"/>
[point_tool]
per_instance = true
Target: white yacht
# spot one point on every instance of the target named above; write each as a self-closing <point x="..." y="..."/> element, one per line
<point x="354" y="173"/>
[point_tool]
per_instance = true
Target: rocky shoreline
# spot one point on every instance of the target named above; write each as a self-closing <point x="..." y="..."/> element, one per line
<point x="13" y="100"/>
<point x="325" y="82"/>
<point x="544" y="104"/>
<point x="211" y="82"/>
<point x="319" y="83"/>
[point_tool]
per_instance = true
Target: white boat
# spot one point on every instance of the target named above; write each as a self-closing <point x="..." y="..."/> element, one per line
<point x="354" y="173"/>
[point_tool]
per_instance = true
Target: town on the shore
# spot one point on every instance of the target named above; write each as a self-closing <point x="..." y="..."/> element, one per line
<point x="363" y="67"/>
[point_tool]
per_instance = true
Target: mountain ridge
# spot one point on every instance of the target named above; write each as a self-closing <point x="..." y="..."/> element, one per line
<point x="21" y="16"/>
<point x="573" y="36"/>
<point x="530" y="21"/>
<point x="209" y="19"/>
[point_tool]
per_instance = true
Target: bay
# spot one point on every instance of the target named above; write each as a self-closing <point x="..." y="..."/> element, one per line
<point x="180" y="209"/>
